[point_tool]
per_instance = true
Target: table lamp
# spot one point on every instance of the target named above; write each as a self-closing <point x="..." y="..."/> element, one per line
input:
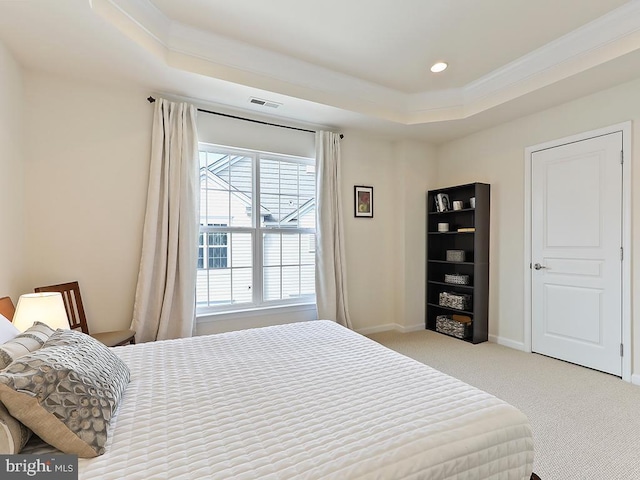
<point x="45" y="307"/>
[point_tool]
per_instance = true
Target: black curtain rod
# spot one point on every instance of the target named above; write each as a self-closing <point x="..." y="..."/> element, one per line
<point x="151" y="100"/>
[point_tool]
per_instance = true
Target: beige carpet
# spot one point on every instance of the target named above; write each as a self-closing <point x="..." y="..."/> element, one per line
<point x="586" y="424"/>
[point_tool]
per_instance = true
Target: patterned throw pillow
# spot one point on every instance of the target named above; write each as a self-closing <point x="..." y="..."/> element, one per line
<point x="13" y="434"/>
<point x="66" y="392"/>
<point x="29" y="341"/>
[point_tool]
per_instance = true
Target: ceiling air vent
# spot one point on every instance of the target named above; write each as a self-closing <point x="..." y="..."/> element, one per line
<point x="264" y="103"/>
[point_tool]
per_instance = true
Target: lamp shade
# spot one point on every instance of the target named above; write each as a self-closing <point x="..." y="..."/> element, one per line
<point x="45" y="307"/>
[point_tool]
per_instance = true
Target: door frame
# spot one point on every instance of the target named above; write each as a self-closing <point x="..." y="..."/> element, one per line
<point x="626" y="129"/>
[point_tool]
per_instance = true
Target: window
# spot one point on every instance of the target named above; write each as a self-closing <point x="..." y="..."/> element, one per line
<point x="257" y="229"/>
<point x="217" y="250"/>
<point x="214" y="249"/>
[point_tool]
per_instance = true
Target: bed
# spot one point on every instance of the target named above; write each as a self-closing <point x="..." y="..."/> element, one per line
<point x="307" y="400"/>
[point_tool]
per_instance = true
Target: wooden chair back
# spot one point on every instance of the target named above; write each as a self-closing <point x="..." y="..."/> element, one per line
<point x="6" y="308"/>
<point x="72" y="303"/>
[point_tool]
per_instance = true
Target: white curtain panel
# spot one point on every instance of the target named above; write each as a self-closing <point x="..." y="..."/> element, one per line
<point x="165" y="296"/>
<point x="331" y="267"/>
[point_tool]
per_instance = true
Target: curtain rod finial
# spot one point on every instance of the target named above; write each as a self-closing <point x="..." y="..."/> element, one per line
<point x="151" y="99"/>
<point x="341" y="136"/>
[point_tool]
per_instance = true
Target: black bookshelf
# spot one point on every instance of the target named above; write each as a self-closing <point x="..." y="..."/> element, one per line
<point x="475" y="244"/>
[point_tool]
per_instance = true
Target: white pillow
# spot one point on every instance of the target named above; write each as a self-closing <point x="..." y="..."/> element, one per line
<point x="7" y="330"/>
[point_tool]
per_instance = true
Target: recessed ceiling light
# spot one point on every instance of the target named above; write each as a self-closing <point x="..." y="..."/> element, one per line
<point x="438" y="67"/>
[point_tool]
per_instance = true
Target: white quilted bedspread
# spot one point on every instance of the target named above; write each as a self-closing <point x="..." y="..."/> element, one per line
<point x="308" y="400"/>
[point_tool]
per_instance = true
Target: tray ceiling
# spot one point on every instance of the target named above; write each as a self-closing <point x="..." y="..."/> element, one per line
<point x="339" y="62"/>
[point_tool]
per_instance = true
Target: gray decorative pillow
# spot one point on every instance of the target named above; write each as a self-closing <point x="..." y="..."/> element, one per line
<point x="29" y="341"/>
<point x="13" y="434"/>
<point x="66" y="392"/>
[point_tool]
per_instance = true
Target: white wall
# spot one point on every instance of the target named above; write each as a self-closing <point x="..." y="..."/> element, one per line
<point x="254" y="136"/>
<point x="496" y="156"/>
<point x="383" y="291"/>
<point x="416" y="172"/>
<point x="72" y="197"/>
<point x="86" y="165"/>
<point x="370" y="248"/>
<point x="13" y="280"/>
<point x="86" y="161"/>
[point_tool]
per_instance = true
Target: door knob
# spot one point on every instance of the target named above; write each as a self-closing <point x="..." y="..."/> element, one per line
<point x="537" y="266"/>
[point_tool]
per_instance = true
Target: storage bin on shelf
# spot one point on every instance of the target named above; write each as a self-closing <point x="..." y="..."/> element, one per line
<point x="459" y="301"/>
<point x="455" y="255"/>
<point x="456" y="278"/>
<point x="446" y="324"/>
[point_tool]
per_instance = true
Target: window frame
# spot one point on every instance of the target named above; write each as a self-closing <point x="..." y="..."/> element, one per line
<point x="257" y="231"/>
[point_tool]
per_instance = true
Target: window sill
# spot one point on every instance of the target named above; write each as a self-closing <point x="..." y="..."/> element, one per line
<point x="210" y="317"/>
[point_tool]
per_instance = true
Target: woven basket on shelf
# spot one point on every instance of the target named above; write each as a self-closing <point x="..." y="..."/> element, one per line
<point x="455" y="256"/>
<point x="445" y="324"/>
<point x="459" y="301"/>
<point x="456" y="278"/>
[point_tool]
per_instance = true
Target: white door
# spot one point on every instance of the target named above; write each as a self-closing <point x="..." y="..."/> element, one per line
<point x="576" y="225"/>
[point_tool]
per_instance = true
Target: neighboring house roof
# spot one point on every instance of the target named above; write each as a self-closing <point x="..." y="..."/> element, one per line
<point x="220" y="169"/>
<point x="225" y="186"/>
<point x="301" y="211"/>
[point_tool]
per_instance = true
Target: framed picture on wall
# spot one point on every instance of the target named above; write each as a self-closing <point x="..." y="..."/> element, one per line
<point x="363" y="198"/>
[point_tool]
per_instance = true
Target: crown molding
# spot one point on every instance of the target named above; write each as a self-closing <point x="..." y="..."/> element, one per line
<point x="190" y="49"/>
<point x="606" y="38"/>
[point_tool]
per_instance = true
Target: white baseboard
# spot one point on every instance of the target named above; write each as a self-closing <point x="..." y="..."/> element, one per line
<point x="507" y="343"/>
<point x="377" y="329"/>
<point x="411" y="328"/>
<point x="635" y="378"/>
<point x="389" y="327"/>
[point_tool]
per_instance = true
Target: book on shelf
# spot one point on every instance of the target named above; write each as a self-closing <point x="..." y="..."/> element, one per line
<point x="467" y="229"/>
